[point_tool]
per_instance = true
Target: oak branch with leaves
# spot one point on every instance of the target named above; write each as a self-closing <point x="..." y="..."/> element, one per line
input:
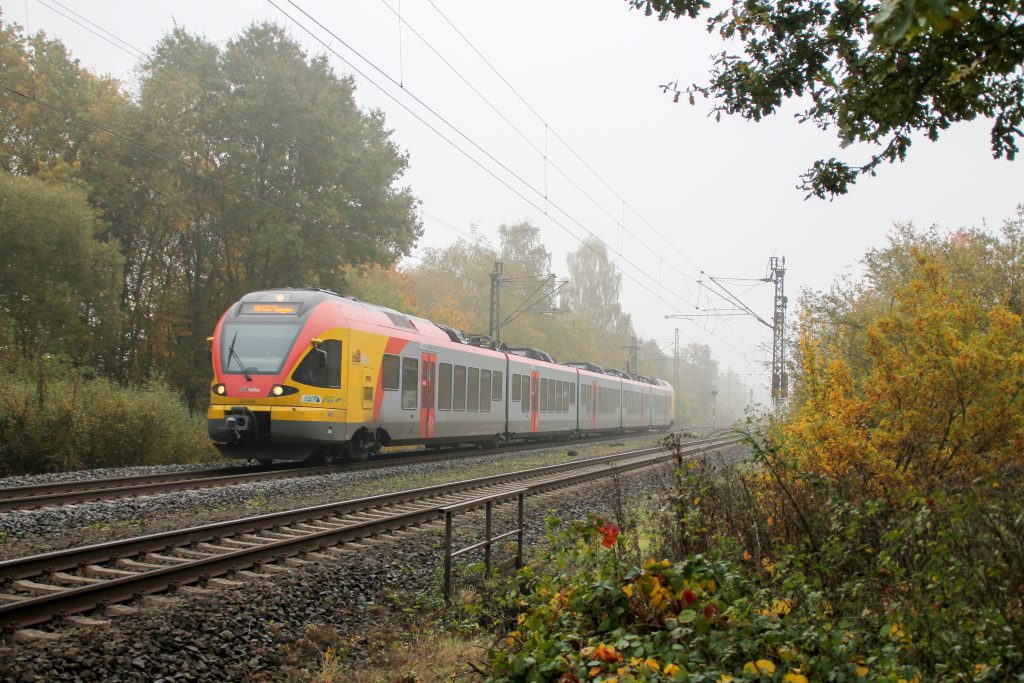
<point x="873" y="71"/>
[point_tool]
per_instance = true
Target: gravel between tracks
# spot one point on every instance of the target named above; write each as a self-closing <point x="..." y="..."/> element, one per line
<point x="25" y="532"/>
<point x="261" y="632"/>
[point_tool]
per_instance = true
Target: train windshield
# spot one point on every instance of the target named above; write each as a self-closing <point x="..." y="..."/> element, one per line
<point x="256" y="348"/>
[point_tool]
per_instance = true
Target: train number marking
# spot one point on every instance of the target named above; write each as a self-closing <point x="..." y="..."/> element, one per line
<point x="311" y="398"/>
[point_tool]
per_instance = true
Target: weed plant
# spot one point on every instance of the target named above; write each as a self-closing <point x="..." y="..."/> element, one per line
<point x="73" y="422"/>
<point x="757" y="572"/>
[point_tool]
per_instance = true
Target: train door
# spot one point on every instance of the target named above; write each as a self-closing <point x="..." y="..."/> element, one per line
<point x="427" y="393"/>
<point x="534" y="401"/>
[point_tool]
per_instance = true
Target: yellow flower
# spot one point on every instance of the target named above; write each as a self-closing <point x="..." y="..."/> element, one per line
<point x="594" y="671"/>
<point x="861" y="671"/>
<point x="634" y="661"/>
<point x="747" y="556"/>
<point x="979" y="668"/>
<point x="768" y="565"/>
<point x="652" y="664"/>
<point x="761" y="666"/>
<point x="725" y="678"/>
<point x="628" y="590"/>
<point x="794" y="677"/>
<point x="670" y="669"/>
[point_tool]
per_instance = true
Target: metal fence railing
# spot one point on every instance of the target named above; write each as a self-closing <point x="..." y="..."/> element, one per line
<point x="486" y="502"/>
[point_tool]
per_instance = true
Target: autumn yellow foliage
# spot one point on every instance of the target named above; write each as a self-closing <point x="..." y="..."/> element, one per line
<point x="941" y="403"/>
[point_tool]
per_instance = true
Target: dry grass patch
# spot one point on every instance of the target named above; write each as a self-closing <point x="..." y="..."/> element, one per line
<point x="428" y="657"/>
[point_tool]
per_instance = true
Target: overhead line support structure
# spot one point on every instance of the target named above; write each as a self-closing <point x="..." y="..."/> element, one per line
<point x="495" y="321"/>
<point x="776" y="275"/>
<point x="780" y="379"/>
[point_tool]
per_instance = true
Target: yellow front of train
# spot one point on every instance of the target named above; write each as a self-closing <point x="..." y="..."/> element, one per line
<point x="281" y="388"/>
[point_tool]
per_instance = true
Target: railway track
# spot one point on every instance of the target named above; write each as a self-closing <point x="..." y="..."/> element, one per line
<point x="68" y="582"/>
<point x="83" y="491"/>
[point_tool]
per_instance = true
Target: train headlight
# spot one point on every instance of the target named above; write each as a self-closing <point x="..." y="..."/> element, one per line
<point x="282" y="390"/>
<point x="219" y="389"/>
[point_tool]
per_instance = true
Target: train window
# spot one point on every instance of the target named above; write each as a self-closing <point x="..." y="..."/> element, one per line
<point x="322" y="366"/>
<point x="558" y="395"/>
<point x="485" y="390"/>
<point x="459" y="400"/>
<point x="543" y="395"/>
<point x="496" y="385"/>
<point x="526" y="393"/>
<point x="517" y="387"/>
<point x="389" y="372"/>
<point x="473" y="390"/>
<point x="572" y="394"/>
<point x="553" y="396"/>
<point x="565" y="397"/>
<point x="444" y="387"/>
<point x="410" y="383"/>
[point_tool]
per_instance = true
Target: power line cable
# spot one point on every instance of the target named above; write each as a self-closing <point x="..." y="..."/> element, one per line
<point x="449" y="124"/>
<point x="597" y="175"/>
<point x="543" y="154"/>
<point x="476" y="161"/>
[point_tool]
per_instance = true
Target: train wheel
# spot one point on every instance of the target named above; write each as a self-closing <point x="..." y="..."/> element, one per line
<point x="316" y="458"/>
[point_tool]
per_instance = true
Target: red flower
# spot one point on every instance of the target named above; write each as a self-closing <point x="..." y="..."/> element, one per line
<point x="610" y="531"/>
<point x="710" y="611"/>
<point x="688" y="597"/>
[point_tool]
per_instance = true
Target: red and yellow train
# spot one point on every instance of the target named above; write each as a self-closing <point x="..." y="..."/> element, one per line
<point x="301" y="373"/>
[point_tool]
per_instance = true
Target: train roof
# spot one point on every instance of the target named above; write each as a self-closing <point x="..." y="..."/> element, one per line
<point x="299" y="302"/>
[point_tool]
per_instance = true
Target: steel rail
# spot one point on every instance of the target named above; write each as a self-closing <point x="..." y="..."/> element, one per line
<point x="322" y="528"/>
<point x="89" y="490"/>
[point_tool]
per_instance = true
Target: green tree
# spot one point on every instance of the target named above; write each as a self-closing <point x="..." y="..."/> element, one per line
<point x="698" y="375"/>
<point x="988" y="264"/>
<point x="874" y="72"/>
<point x="34" y="140"/>
<point x="58" y="287"/>
<point x="593" y="298"/>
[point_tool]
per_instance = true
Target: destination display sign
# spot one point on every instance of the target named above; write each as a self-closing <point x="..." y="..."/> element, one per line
<point x="275" y="308"/>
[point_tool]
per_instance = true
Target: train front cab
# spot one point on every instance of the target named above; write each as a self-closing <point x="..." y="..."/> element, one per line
<point x="280" y="388"/>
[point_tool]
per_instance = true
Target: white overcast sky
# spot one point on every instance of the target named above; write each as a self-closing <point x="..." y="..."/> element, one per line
<point x="676" y="192"/>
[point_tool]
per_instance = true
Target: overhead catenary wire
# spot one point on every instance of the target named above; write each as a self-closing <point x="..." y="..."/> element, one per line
<point x="548" y="162"/>
<point x="453" y="127"/>
<point x="572" y="150"/>
<point x="461" y="150"/>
